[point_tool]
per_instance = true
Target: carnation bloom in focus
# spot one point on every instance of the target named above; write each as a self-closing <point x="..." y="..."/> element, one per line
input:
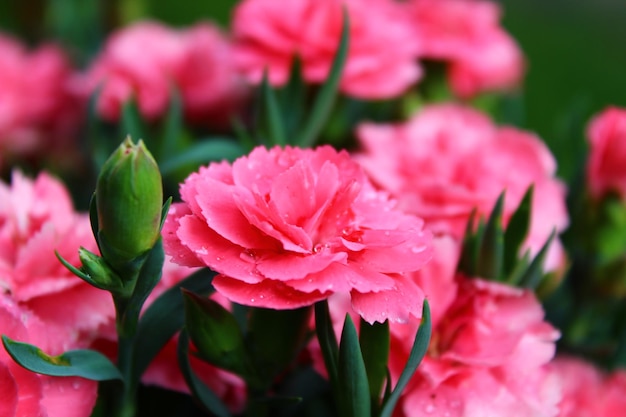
<point x="466" y="34"/>
<point x="147" y="60"/>
<point x="448" y="160"/>
<point x="588" y="391"/>
<point x="38" y="111"/>
<point x="382" y="52"/>
<point x="286" y="228"/>
<point x="36" y="219"/>
<point x="24" y="393"/>
<point x="606" y="166"/>
<point x="487" y="357"/>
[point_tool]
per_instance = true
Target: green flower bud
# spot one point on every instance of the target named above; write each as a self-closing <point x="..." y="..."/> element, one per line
<point x="98" y="272"/>
<point x="129" y="196"/>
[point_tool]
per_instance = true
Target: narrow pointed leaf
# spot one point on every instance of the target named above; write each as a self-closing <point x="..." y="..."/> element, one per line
<point x="519" y="269"/>
<point x="374" y="340"/>
<point x="273" y="119"/>
<point x="469" y="251"/>
<point x="132" y="123"/>
<point x="516" y="231"/>
<point x="164" y="210"/>
<point x="200" y="391"/>
<point x="164" y="317"/>
<point x="420" y="346"/>
<point x="327" y="340"/>
<point x="533" y="275"/>
<point x="354" y="391"/>
<point x="210" y="149"/>
<point x="242" y="134"/>
<point x="492" y="244"/>
<point x="84" y="363"/>
<point x="173" y="127"/>
<point x="323" y="103"/>
<point x="293" y="100"/>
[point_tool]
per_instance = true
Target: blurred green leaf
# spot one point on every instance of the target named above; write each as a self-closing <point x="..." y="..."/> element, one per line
<point x="491" y="252"/>
<point x="203" y="152"/>
<point x="374" y="339"/>
<point x="517" y="230"/>
<point x="272" y="118"/>
<point x="207" y="398"/>
<point x="327" y="340"/>
<point x="84" y="363"/>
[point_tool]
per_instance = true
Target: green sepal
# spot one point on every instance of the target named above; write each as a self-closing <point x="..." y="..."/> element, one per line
<point x="418" y="351"/>
<point x="517" y="230"/>
<point x="323" y="103"/>
<point x="327" y="340"/>
<point x="353" y="388"/>
<point x="374" y="340"/>
<point x="272" y="119"/>
<point x="84" y="363"/>
<point x="98" y="270"/>
<point x="200" y="391"/>
<point x="164" y="317"/>
<point x="216" y="334"/>
<point x="275" y="338"/>
<point x="202" y="152"/>
<point x="491" y="252"/>
<point x="164" y="211"/>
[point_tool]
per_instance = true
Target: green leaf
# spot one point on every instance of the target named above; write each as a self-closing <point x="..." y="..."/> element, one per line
<point x="293" y="99"/>
<point x="216" y="334"/>
<point x="534" y="274"/>
<point x="84" y="363"/>
<point x="132" y="124"/>
<point x="492" y="244"/>
<point x="242" y="134"/>
<point x="275" y="338"/>
<point x="212" y="149"/>
<point x="164" y="317"/>
<point x="164" y="211"/>
<point x="354" y="391"/>
<point x="173" y="125"/>
<point x="516" y="231"/>
<point x="374" y="340"/>
<point x="200" y="391"/>
<point x="273" y="119"/>
<point x="148" y="278"/>
<point x="323" y="103"/>
<point x="420" y="346"/>
<point x="327" y="340"/>
<point x="469" y="252"/>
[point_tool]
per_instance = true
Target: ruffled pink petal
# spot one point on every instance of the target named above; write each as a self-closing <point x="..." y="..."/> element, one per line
<point x="68" y="396"/>
<point x="288" y="266"/>
<point x="267" y="294"/>
<point x="8" y="392"/>
<point x="180" y="253"/>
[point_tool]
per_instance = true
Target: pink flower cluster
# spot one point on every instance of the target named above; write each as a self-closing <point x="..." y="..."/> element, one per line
<point x="381" y="63"/>
<point x="466" y="34"/>
<point x="606" y="166"/>
<point x="488" y="356"/>
<point x="288" y="227"/>
<point x="147" y="61"/>
<point x="587" y="391"/>
<point x="41" y="302"/>
<point x="38" y="110"/>
<point x="448" y="160"/>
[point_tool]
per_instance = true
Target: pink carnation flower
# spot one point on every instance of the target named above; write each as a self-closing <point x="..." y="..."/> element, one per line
<point x="467" y="35"/>
<point x="146" y="60"/>
<point x="24" y="393"/>
<point x="606" y="166"/>
<point x="37" y="218"/>
<point x="38" y="111"/>
<point x="286" y="228"/>
<point x="588" y="392"/>
<point x="382" y="51"/>
<point x="448" y="160"/>
<point x="487" y="357"/>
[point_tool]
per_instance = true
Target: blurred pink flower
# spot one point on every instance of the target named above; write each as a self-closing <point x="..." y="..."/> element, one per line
<point x="38" y="111"/>
<point x="288" y="227"/>
<point x="24" y="393"/>
<point x="448" y="160"/>
<point x="587" y="391"/>
<point x="37" y="218"/>
<point x="606" y="165"/>
<point x="147" y="60"/>
<point x="382" y="51"/>
<point x="487" y="357"/>
<point x="467" y="35"/>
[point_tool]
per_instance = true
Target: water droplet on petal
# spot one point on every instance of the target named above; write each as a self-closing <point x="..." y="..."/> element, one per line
<point x="429" y="409"/>
<point x="218" y="258"/>
<point x="76" y="384"/>
<point x="252" y="300"/>
<point x="318" y="248"/>
<point x="418" y="249"/>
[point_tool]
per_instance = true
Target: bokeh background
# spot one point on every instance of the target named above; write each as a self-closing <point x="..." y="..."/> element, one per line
<point x="576" y="51"/>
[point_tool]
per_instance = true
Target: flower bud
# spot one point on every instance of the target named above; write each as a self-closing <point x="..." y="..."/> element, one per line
<point x="128" y="200"/>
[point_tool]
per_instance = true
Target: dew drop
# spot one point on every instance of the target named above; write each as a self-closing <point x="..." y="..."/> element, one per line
<point x="261" y="296"/>
<point x="418" y="249"/>
<point x="318" y="248"/>
<point x="218" y="258"/>
<point x="429" y="409"/>
<point x="76" y="384"/>
<point x="387" y="233"/>
<point x="252" y="300"/>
